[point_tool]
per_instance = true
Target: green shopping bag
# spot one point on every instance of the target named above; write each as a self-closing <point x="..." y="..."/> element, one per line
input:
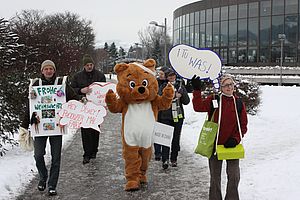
<point x="207" y="138"/>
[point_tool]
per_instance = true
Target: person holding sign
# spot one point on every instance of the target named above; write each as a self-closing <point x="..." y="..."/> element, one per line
<point x="229" y="135"/>
<point x="80" y="83"/>
<point x="174" y="116"/>
<point x="48" y="78"/>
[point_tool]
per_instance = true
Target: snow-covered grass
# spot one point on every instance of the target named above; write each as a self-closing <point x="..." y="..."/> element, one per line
<point x="270" y="170"/>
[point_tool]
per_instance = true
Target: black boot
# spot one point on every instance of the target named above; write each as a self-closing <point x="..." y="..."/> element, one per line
<point x="42" y="185"/>
<point x="86" y="160"/>
<point x="165" y="165"/>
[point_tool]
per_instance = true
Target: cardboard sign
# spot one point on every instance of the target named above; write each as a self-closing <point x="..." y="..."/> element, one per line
<point x="188" y="61"/>
<point x="99" y="90"/>
<point x="163" y="134"/>
<point x="76" y="114"/>
<point x="44" y="108"/>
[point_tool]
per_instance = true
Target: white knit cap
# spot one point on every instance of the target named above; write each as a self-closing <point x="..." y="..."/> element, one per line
<point x="48" y="63"/>
<point x="225" y="77"/>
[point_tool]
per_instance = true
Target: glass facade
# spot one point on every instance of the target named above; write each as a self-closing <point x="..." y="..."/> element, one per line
<point x="245" y="33"/>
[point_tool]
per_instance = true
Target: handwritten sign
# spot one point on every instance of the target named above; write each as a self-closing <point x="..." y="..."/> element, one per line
<point x="163" y="134"/>
<point x="99" y="90"/>
<point x="76" y="114"/>
<point x="44" y="108"/>
<point x="188" y="61"/>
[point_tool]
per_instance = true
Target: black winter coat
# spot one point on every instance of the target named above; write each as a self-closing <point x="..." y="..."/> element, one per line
<point x="83" y="79"/>
<point x="184" y="100"/>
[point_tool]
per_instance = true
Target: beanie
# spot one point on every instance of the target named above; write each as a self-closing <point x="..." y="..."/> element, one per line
<point x="169" y="72"/>
<point x="226" y="77"/>
<point x="87" y="59"/>
<point x="48" y="63"/>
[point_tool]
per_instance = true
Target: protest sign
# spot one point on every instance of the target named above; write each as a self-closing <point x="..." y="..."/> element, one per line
<point x="44" y="108"/>
<point x="163" y="134"/>
<point x="99" y="90"/>
<point x="76" y="114"/>
<point x="188" y="61"/>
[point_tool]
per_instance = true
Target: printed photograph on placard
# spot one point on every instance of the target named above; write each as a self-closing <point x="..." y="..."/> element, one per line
<point x="48" y="126"/>
<point x="46" y="99"/>
<point x="48" y="113"/>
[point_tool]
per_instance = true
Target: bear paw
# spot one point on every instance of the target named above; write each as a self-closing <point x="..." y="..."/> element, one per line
<point x="132" y="186"/>
<point x="143" y="179"/>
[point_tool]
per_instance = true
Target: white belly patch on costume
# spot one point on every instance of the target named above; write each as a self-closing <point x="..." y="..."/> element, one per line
<point x="139" y="124"/>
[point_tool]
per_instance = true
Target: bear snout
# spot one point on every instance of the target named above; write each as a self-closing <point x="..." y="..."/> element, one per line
<point x="141" y="90"/>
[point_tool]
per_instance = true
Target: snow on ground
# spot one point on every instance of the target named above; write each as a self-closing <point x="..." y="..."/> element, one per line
<point x="270" y="170"/>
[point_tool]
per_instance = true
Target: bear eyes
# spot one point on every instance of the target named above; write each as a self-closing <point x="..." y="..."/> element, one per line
<point x="145" y="83"/>
<point x="131" y="84"/>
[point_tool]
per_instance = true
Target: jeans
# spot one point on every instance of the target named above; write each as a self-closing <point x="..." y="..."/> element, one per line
<point x="39" y="152"/>
<point x="90" y="141"/>
<point x="157" y="150"/>
<point x="233" y="176"/>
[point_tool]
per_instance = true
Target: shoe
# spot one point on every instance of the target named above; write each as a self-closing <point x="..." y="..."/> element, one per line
<point x="86" y="160"/>
<point x="52" y="192"/>
<point x="173" y="163"/>
<point x="42" y="185"/>
<point x="157" y="158"/>
<point x="165" y="165"/>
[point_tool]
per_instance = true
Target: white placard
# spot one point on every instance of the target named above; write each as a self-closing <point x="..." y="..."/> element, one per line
<point x="188" y="61"/>
<point x="76" y="114"/>
<point x="163" y="134"/>
<point x="44" y="110"/>
<point x="99" y="90"/>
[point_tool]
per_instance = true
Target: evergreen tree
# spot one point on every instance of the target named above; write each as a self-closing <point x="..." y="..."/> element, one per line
<point x="9" y="86"/>
<point x="122" y="53"/>
<point x="106" y="48"/>
<point x="113" y="53"/>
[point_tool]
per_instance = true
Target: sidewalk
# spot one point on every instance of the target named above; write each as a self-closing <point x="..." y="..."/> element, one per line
<point x="103" y="178"/>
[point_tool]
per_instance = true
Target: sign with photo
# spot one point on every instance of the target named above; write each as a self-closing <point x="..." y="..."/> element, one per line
<point x="45" y="103"/>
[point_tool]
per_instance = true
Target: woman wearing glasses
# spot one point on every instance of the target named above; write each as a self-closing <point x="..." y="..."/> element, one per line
<point x="229" y="135"/>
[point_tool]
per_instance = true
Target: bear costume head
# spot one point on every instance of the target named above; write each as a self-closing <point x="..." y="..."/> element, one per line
<point x="137" y="82"/>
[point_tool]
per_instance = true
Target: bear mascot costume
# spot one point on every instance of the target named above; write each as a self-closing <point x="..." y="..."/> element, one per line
<point x="139" y="104"/>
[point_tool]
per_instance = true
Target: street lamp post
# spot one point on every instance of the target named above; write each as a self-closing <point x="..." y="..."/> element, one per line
<point x="281" y="37"/>
<point x="165" y="38"/>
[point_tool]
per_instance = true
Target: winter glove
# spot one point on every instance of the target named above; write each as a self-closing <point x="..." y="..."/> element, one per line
<point x="230" y="143"/>
<point x="196" y="82"/>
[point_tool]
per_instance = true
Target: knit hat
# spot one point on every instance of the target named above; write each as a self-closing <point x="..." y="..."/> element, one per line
<point x="226" y="77"/>
<point x="87" y="59"/>
<point x="48" y="63"/>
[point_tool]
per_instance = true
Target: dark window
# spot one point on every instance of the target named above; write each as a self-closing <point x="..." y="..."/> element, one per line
<point x="252" y="54"/>
<point x="232" y="55"/>
<point x="209" y="15"/>
<point x="202" y="35"/>
<point x="187" y="20"/>
<point x="208" y="34"/>
<point x="233" y="12"/>
<point x="216" y="14"/>
<point x="192" y="33"/>
<point x="264" y="54"/>
<point x="265" y="27"/>
<point x="197" y="17"/>
<point x="276" y="54"/>
<point x="277" y="28"/>
<point x="216" y="32"/>
<point x="187" y="35"/>
<point x="192" y="19"/>
<point x="243" y="10"/>
<point x="232" y="32"/>
<point x="265" y="8"/>
<point x="278" y="7"/>
<point x="202" y="16"/>
<point x="290" y="53"/>
<point x="242" y="55"/>
<point x="252" y="31"/>
<point x="223" y="54"/>
<point x="224" y="33"/>
<point x="224" y="13"/>
<point x="176" y="37"/>
<point x="242" y="32"/>
<point x="253" y="9"/>
<point x="291" y="26"/>
<point x="291" y="6"/>
<point x="197" y="36"/>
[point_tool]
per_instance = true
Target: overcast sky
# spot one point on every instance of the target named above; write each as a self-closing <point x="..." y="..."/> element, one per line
<point x="112" y="20"/>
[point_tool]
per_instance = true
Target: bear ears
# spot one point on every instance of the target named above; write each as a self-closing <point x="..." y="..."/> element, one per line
<point x="149" y="63"/>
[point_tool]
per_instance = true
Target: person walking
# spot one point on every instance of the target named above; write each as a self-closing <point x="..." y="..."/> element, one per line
<point x="80" y="83"/>
<point x="48" y="77"/>
<point x="161" y="79"/>
<point x="174" y="116"/>
<point x="229" y="135"/>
